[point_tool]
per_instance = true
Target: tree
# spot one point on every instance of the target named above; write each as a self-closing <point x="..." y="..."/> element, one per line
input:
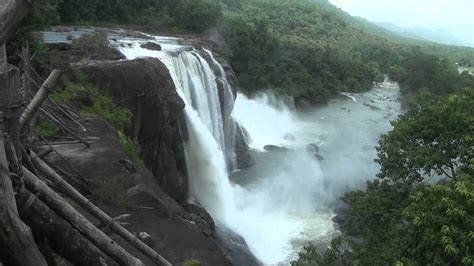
<point x="400" y="219"/>
<point x="198" y="15"/>
<point x="435" y="136"/>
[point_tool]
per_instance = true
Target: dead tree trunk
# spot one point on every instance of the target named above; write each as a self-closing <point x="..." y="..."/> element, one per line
<point x="97" y="212"/>
<point x="15" y="237"/>
<point x="63" y="238"/>
<point x="58" y="204"/>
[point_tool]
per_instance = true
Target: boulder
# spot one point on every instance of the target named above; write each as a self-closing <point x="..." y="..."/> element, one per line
<point x="275" y="148"/>
<point x="83" y="98"/>
<point x="151" y="46"/>
<point x="146" y="238"/>
<point x="145" y="87"/>
<point x="150" y="210"/>
<point x="319" y="157"/>
<point x="200" y="216"/>
<point x="312" y="148"/>
<point x="242" y="150"/>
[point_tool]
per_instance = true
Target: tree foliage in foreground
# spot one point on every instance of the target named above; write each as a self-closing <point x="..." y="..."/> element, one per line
<point x="435" y="136"/>
<point x="403" y="218"/>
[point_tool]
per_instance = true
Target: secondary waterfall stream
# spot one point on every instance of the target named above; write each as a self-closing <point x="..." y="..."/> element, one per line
<point x="286" y="199"/>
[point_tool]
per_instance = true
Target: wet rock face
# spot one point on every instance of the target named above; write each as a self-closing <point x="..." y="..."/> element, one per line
<point x="145" y="87"/>
<point x="242" y="150"/>
<point x="151" y="46"/>
<point x="151" y="215"/>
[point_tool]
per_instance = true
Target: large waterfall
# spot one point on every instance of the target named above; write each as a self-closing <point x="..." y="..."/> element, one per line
<point x="285" y="200"/>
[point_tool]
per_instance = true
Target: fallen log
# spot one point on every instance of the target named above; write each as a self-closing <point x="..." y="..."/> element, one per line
<point x="62" y="237"/>
<point x="58" y="204"/>
<point x="97" y="212"/>
<point x="40" y="96"/>
<point x="16" y="239"/>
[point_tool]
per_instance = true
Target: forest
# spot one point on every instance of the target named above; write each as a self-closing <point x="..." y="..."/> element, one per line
<point x="420" y="208"/>
<point x="310" y="50"/>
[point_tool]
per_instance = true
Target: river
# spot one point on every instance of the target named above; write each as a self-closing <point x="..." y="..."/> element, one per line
<point x="291" y="194"/>
<point x="286" y="200"/>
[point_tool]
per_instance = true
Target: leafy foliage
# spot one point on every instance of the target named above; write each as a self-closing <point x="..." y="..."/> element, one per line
<point x="313" y="50"/>
<point x="400" y="218"/>
<point x="192" y="15"/>
<point x="436" y="135"/>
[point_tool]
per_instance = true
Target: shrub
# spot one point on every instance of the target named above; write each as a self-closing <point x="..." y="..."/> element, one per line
<point x="113" y="190"/>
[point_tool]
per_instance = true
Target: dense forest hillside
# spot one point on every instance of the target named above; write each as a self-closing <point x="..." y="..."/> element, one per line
<point x="307" y="49"/>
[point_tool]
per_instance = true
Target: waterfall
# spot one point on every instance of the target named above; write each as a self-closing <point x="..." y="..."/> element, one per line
<point x="210" y="149"/>
<point x="286" y="202"/>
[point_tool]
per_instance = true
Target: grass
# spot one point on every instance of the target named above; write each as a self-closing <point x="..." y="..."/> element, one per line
<point x="192" y="262"/>
<point x="103" y="106"/>
<point x="67" y="94"/>
<point x="47" y="129"/>
<point x="130" y="148"/>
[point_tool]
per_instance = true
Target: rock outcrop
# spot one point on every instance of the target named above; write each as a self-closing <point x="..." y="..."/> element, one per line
<point x="129" y="189"/>
<point x="145" y="87"/>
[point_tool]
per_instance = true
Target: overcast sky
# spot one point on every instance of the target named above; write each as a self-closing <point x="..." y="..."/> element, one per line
<point x="455" y="16"/>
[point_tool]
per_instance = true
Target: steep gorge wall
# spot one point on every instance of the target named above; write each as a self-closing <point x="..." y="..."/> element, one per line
<point x="145" y="87"/>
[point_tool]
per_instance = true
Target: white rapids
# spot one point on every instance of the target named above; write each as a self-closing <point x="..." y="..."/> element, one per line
<point x="287" y="198"/>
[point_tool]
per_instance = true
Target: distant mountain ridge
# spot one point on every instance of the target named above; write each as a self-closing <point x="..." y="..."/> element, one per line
<point x="420" y="33"/>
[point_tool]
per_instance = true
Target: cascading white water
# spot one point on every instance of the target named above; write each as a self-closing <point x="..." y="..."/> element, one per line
<point x="285" y="202"/>
<point x="228" y="98"/>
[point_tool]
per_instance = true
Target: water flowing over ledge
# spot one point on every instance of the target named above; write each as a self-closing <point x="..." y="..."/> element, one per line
<point x="286" y="199"/>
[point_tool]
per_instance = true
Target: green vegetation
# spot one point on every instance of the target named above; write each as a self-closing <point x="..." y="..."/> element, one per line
<point x="192" y="262"/>
<point x="68" y="93"/>
<point x="403" y="217"/>
<point x="47" y="129"/>
<point x="312" y="50"/>
<point x="113" y="190"/>
<point x="130" y="149"/>
<point x="308" y="49"/>
<point x="102" y="106"/>
<point x="194" y="15"/>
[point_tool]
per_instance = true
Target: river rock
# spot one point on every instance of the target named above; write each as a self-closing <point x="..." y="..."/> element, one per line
<point x="319" y="157"/>
<point x="242" y="150"/>
<point x="146" y="238"/>
<point x="275" y="148"/>
<point x="312" y="148"/>
<point x="151" y="46"/>
<point x="83" y="98"/>
<point x="200" y="216"/>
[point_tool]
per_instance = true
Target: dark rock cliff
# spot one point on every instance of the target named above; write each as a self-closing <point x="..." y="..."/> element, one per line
<point x="145" y="87"/>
